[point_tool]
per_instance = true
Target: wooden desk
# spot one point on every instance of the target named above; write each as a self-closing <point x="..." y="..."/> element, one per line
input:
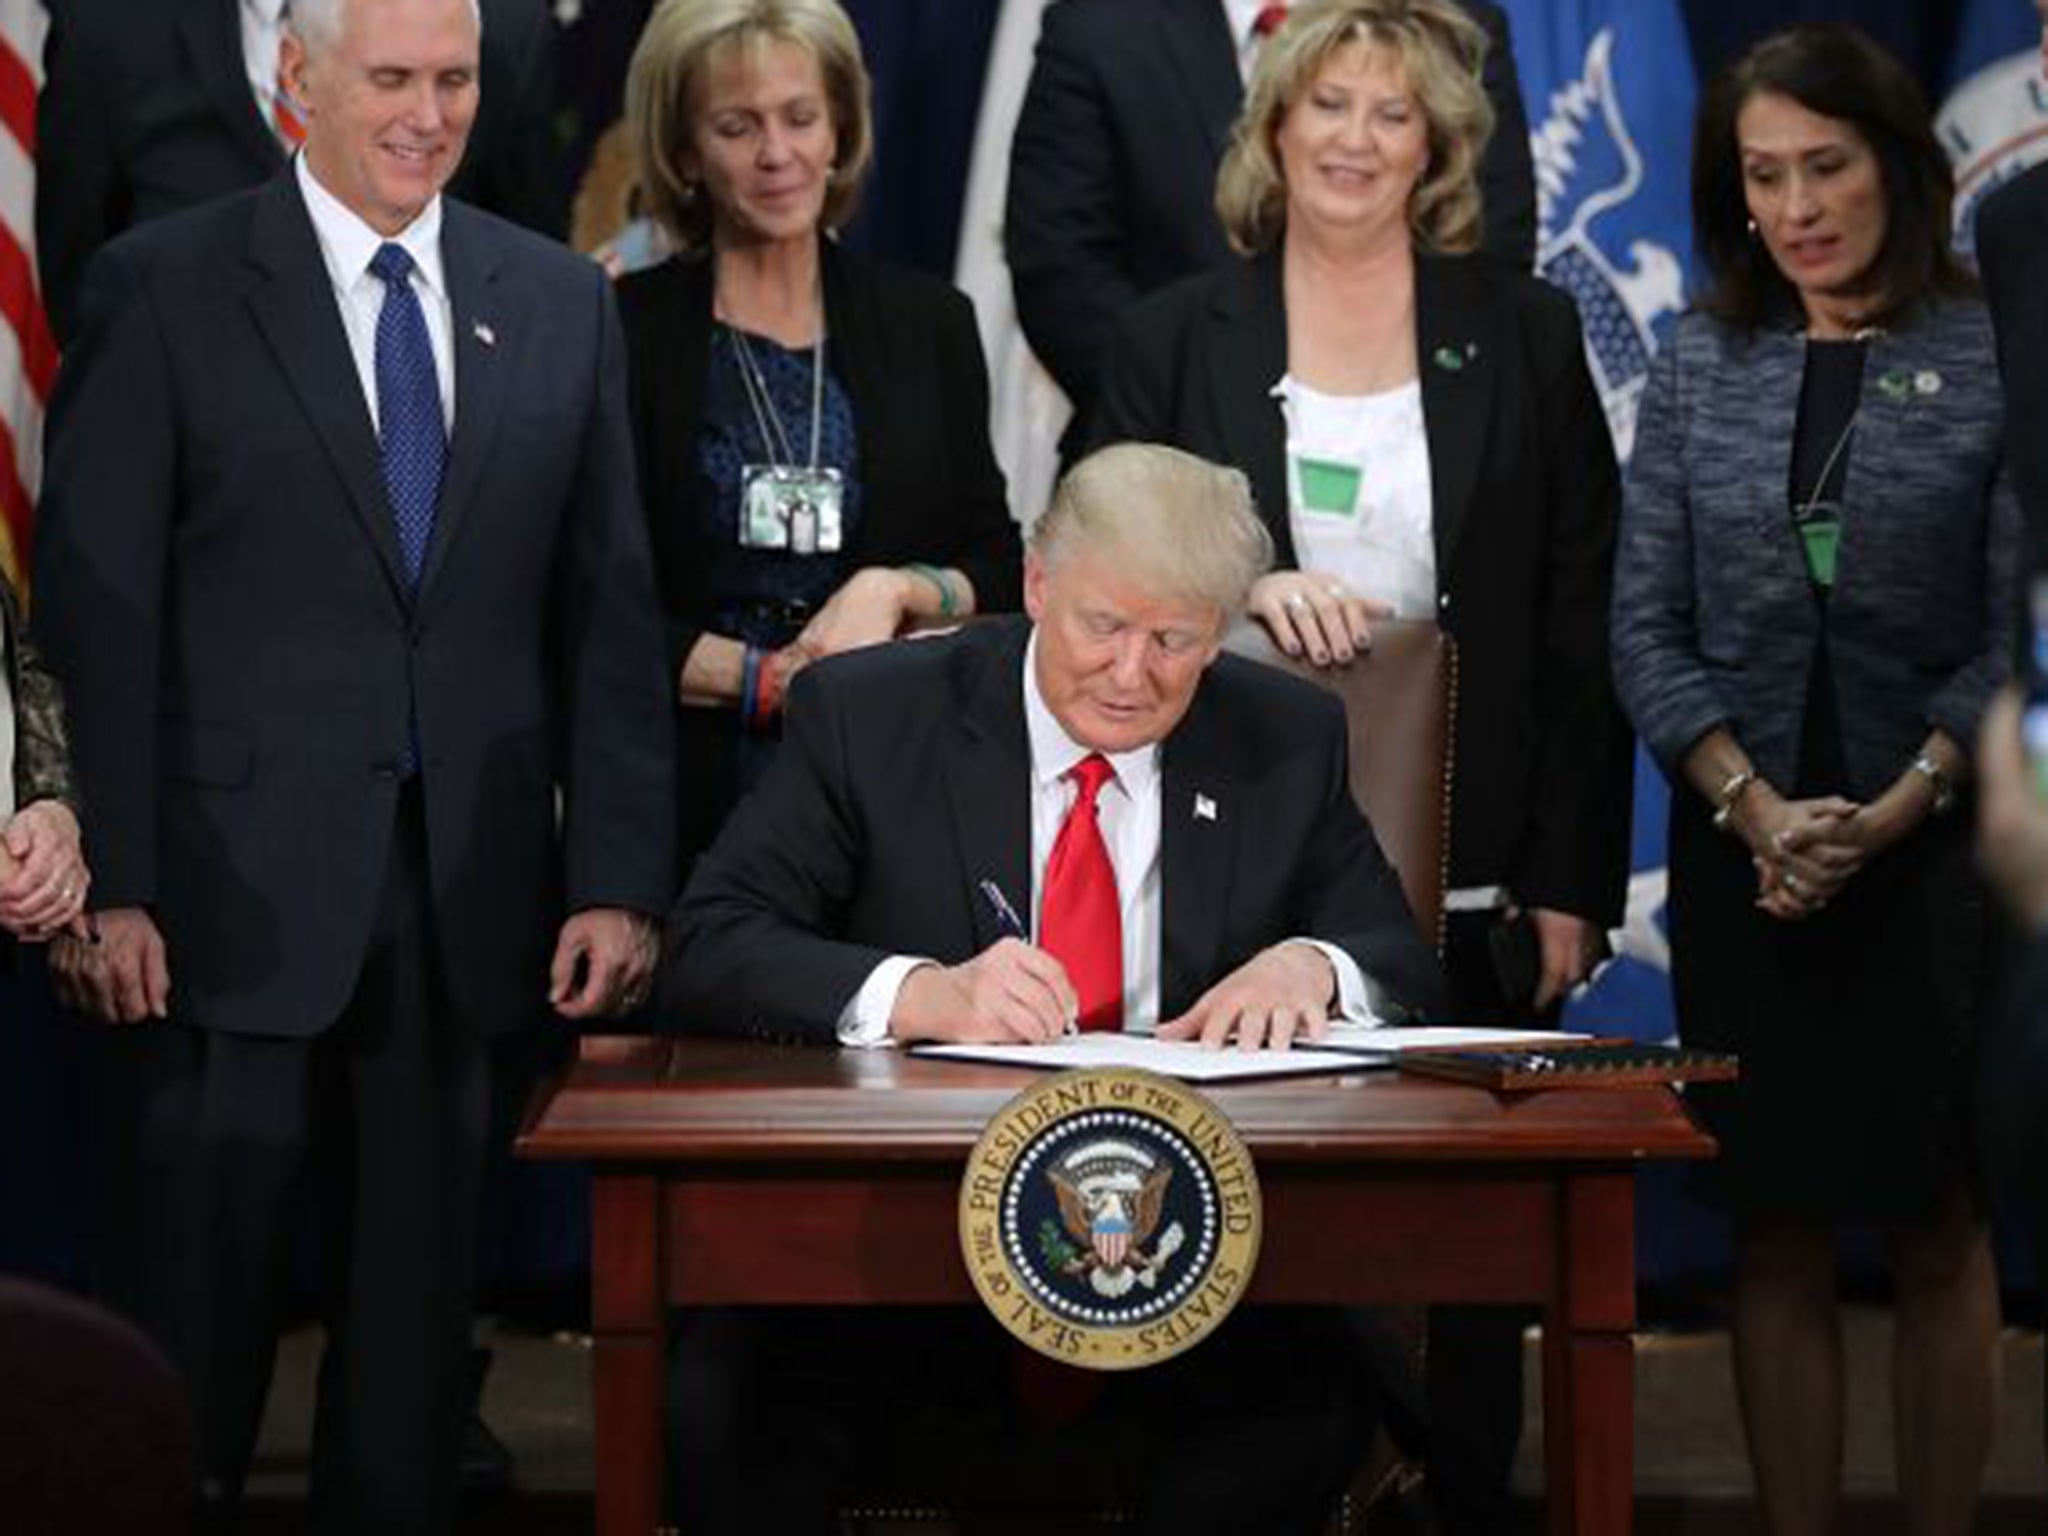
<point x="1377" y="1189"/>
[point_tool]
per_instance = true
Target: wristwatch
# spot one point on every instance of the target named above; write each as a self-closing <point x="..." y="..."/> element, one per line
<point x="1937" y="780"/>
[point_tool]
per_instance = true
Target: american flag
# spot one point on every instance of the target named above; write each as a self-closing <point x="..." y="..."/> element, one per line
<point x="28" y="356"/>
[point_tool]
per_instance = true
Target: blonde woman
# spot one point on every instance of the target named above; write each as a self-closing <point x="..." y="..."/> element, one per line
<point x="812" y="427"/>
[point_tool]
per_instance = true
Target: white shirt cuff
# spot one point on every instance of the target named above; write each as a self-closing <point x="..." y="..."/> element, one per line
<point x="1354" y="993"/>
<point x="864" y="1021"/>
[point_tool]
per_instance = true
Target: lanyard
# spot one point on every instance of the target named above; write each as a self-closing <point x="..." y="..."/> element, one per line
<point x="768" y="420"/>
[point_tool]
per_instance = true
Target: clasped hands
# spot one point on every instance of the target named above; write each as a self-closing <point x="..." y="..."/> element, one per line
<point x="1013" y="993"/>
<point x="43" y="877"/>
<point x="1805" y="851"/>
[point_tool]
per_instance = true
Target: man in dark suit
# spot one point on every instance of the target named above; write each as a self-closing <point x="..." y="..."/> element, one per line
<point x="147" y="109"/>
<point x="930" y="792"/>
<point x="346" y="581"/>
<point x="1113" y="168"/>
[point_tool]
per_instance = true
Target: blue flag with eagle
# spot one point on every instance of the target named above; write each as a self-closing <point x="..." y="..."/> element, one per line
<point x="1992" y="114"/>
<point x="1610" y="88"/>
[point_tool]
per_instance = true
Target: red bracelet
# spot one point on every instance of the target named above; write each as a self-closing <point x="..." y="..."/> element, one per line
<point x="767" y="693"/>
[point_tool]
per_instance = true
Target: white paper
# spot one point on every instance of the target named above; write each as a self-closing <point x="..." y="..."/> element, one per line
<point x="1171" y="1058"/>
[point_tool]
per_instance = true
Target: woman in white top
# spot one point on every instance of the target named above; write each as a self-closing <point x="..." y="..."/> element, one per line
<point x="1423" y="440"/>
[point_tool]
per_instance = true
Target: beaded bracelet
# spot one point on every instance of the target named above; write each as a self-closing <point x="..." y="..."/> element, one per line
<point x="931" y="573"/>
<point x="750" y="680"/>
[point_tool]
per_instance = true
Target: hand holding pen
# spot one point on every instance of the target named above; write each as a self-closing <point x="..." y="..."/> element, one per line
<point x="1011" y="993"/>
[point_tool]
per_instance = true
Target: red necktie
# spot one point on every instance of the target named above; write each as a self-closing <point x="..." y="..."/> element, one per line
<point x="1079" y="923"/>
<point x="1267" y="22"/>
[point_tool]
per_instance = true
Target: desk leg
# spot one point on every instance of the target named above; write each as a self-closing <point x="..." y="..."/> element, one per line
<point x="1589" y="1361"/>
<point x="626" y="1368"/>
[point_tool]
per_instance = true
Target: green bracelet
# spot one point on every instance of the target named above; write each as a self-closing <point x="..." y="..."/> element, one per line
<point x="947" y="607"/>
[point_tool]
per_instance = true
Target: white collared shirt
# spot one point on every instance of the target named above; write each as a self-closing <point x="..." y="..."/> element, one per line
<point x="347" y="244"/>
<point x="1128" y="811"/>
<point x="262" y="30"/>
<point x="1243" y="15"/>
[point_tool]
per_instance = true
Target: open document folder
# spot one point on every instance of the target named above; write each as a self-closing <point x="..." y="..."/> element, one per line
<point x="1347" y="1048"/>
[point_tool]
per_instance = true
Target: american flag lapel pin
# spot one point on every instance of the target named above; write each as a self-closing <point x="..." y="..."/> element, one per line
<point x="483" y="333"/>
<point x="1205" y="808"/>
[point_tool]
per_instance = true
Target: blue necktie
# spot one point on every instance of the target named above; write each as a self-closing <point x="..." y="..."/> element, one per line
<point x="410" y="432"/>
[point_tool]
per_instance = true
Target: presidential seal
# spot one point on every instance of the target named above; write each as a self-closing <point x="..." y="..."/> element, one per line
<point x="1110" y="1218"/>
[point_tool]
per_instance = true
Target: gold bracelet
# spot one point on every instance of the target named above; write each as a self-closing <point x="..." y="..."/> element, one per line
<point x="1731" y="792"/>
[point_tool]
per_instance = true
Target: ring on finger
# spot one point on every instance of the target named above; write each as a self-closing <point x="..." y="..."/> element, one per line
<point x="1296" y="600"/>
<point x="1790" y="881"/>
<point x="1336" y="590"/>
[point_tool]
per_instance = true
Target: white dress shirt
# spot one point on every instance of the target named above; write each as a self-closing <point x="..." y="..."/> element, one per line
<point x="1127" y="810"/>
<point x="347" y="244"/>
<point x="262" y="30"/>
<point x="1382" y="546"/>
<point x="1243" y="14"/>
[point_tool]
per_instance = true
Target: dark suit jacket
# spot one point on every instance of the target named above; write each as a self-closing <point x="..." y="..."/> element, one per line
<point x="147" y="109"/>
<point x="1113" y="168"/>
<point x="226" y="604"/>
<point x="904" y="781"/>
<point x="906" y="350"/>
<point x="1526" y="497"/>
<point x="2012" y="234"/>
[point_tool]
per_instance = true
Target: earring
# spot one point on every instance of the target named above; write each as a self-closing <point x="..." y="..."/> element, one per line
<point x="1752" y="229"/>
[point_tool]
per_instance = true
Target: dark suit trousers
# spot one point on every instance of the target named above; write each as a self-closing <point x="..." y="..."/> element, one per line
<point x="779" y="1413"/>
<point x="212" y="1149"/>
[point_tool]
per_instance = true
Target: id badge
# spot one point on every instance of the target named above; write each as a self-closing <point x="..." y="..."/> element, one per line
<point x="788" y="507"/>
<point x="1326" y="487"/>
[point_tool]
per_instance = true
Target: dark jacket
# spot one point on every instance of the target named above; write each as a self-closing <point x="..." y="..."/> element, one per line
<point x="904" y="781"/>
<point x="221" y="589"/>
<point x="1714" y="618"/>
<point x="906" y="350"/>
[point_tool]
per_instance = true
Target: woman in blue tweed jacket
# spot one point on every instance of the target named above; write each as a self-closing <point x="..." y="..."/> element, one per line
<point x="1812" y="607"/>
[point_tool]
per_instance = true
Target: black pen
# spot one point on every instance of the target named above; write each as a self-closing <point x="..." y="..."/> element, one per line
<point x="1011" y="924"/>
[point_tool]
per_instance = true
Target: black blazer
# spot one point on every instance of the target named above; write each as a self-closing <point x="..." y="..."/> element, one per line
<point x="1526" y="499"/>
<point x="221" y="592"/>
<point x="1112" y="188"/>
<point x="907" y="352"/>
<point x="2012" y="235"/>
<point x="904" y="780"/>
<point x="147" y="109"/>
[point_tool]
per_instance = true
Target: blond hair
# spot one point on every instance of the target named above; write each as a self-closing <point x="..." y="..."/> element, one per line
<point x="1176" y="525"/>
<point x="675" y="53"/>
<point x="1441" y="52"/>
